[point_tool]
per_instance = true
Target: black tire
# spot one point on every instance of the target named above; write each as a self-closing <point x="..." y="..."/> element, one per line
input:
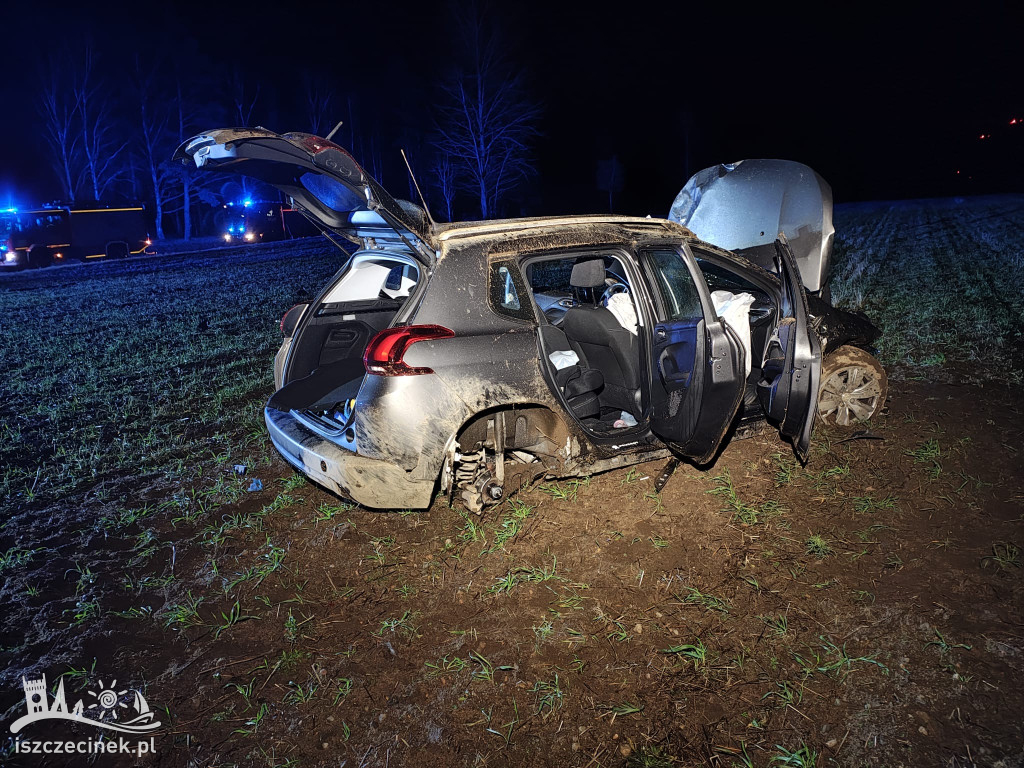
<point x="39" y="256"/>
<point x="117" y="250"/>
<point x="853" y="389"/>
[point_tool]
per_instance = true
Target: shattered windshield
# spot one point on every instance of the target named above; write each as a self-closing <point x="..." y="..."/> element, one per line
<point x="332" y="193"/>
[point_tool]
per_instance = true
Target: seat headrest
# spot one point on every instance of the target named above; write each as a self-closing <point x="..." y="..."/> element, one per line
<point x="587" y="274"/>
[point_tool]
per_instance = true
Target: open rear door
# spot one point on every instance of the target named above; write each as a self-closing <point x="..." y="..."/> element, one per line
<point x="698" y="362"/>
<point x="791" y="370"/>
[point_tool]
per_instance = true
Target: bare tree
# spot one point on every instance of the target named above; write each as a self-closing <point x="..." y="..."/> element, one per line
<point x="486" y="122"/>
<point x="318" y="104"/>
<point x="444" y="173"/>
<point x="243" y="99"/>
<point x="156" y="143"/>
<point x="187" y="112"/>
<point x="59" y="110"/>
<point x="183" y="120"/>
<point x="100" y="147"/>
<point x="610" y="178"/>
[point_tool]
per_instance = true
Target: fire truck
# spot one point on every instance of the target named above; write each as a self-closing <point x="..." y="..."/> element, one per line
<point x="253" y="222"/>
<point x="44" y="236"/>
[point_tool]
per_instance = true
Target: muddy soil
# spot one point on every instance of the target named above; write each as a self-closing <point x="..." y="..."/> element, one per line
<point x="867" y="607"/>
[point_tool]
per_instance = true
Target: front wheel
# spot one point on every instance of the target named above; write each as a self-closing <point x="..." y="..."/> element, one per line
<point x="853" y="387"/>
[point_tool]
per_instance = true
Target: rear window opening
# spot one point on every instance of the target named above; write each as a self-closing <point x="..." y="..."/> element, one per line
<point x="373" y="278"/>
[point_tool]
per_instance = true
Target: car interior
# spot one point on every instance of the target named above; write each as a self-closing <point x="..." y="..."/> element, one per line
<point x="590" y="338"/>
<point x="326" y="366"/>
<point x="602" y="384"/>
<point x="762" y="321"/>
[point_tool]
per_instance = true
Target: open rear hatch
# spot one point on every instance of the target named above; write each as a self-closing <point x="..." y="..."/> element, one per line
<point x="322" y="364"/>
<point x="322" y="179"/>
<point x="743" y="207"/>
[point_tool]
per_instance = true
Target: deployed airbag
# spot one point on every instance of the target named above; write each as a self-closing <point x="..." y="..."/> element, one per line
<point x="734" y="308"/>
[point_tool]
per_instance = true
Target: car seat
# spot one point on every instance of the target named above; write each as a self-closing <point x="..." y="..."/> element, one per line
<point x="601" y="342"/>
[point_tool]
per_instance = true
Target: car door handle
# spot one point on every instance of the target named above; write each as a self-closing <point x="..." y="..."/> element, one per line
<point x="668" y="367"/>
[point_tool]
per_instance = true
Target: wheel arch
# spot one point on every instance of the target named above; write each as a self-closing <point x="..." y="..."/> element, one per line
<point x="505" y="447"/>
<point x="531" y="423"/>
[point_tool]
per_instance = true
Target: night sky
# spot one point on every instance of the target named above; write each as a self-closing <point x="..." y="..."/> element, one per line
<point x="884" y="103"/>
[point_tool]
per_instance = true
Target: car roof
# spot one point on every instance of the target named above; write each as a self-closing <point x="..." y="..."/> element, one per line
<point x="575" y="226"/>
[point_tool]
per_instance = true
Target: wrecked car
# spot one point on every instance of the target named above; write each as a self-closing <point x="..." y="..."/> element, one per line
<point x="470" y="359"/>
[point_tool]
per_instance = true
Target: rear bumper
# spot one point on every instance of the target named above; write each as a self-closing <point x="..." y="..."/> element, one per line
<point x="369" y="482"/>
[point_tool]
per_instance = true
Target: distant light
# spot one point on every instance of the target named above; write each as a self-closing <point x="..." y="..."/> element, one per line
<point x="247" y="202"/>
<point x="231" y="229"/>
<point x="148" y="241"/>
<point x="1014" y="121"/>
<point x="249" y="236"/>
<point x="227" y="238"/>
<point x="10" y="210"/>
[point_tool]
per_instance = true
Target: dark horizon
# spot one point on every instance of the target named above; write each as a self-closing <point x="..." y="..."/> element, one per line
<point x="887" y="105"/>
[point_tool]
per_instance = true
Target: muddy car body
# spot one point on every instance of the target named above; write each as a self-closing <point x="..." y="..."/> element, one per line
<point x="473" y="358"/>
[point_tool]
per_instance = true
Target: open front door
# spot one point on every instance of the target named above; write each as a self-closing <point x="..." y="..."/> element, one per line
<point x="791" y="370"/>
<point x="698" y="362"/>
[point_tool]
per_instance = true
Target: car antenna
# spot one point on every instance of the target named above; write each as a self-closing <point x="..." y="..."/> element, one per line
<point x="334" y="130"/>
<point x="416" y="184"/>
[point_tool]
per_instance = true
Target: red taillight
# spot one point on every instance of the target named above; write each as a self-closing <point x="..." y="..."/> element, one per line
<point x="386" y="349"/>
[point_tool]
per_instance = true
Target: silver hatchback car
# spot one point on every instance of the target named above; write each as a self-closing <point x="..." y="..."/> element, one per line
<point x="470" y="359"/>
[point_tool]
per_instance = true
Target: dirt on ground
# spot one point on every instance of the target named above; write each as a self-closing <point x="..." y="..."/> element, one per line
<point x="864" y="610"/>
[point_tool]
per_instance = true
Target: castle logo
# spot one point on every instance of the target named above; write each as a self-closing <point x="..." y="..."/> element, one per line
<point x="108" y="708"/>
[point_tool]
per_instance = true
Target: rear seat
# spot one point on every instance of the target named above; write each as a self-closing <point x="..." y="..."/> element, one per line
<point x="579" y="384"/>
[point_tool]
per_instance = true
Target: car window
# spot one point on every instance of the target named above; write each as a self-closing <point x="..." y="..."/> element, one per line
<point x="551" y="276"/>
<point x="394" y="281"/>
<point x="508" y="292"/>
<point x="332" y="192"/>
<point x="721" y="279"/>
<point x="373" y="277"/>
<point x="675" y="284"/>
<point x="509" y="295"/>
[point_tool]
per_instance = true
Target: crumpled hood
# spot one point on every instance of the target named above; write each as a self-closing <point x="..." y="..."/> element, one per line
<point x="743" y="206"/>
